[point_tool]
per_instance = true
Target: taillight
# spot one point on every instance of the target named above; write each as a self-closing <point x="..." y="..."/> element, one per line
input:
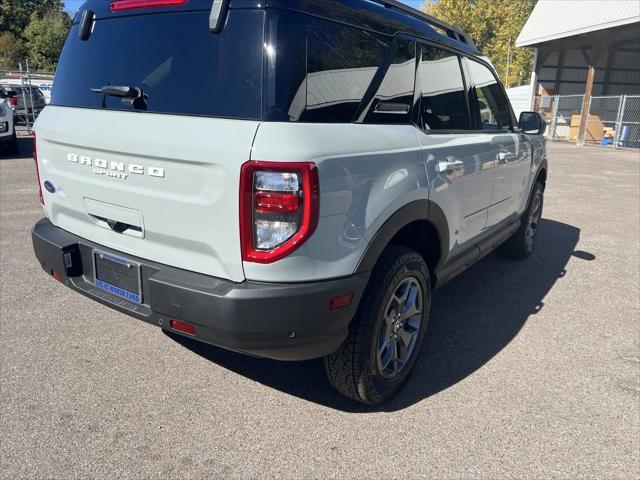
<point x="35" y="159"/>
<point x="120" y="5"/>
<point x="13" y="101"/>
<point x="279" y="205"/>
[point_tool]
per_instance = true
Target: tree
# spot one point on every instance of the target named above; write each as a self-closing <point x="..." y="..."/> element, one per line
<point x="12" y="50"/>
<point x="45" y="38"/>
<point x="494" y="26"/>
<point x="15" y="15"/>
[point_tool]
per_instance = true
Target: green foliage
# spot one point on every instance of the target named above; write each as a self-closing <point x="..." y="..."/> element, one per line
<point x="15" y="15"/>
<point x="12" y="50"/>
<point x="45" y="39"/>
<point x="494" y="26"/>
<point x="33" y="29"/>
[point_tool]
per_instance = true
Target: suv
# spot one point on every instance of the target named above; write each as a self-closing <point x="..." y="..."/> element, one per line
<point x="286" y="179"/>
<point x="29" y="100"/>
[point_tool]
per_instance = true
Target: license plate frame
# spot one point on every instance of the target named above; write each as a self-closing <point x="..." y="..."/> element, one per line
<point x="112" y="269"/>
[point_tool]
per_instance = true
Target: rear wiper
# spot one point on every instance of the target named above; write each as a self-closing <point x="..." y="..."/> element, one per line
<point x="132" y="96"/>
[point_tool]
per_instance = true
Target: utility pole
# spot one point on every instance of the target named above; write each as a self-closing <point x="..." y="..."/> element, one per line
<point x="506" y="80"/>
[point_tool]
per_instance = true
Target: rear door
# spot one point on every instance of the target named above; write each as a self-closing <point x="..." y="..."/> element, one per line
<point x="460" y="177"/>
<point x="160" y="182"/>
<point x="504" y="148"/>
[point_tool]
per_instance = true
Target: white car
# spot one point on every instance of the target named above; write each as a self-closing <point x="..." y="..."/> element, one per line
<point x="7" y="127"/>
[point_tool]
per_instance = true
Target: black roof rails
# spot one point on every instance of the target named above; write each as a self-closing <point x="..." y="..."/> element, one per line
<point x="450" y="30"/>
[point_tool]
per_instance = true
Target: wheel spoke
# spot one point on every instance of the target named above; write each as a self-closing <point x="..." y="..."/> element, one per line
<point x="406" y="336"/>
<point x="394" y="357"/>
<point x="385" y="354"/>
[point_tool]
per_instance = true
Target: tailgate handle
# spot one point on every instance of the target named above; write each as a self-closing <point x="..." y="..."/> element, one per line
<point x="126" y="221"/>
<point x="118" y="227"/>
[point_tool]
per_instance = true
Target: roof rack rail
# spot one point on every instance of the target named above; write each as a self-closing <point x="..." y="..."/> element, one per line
<point x="449" y="30"/>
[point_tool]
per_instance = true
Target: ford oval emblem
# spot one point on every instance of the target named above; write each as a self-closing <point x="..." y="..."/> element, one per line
<point x="49" y="186"/>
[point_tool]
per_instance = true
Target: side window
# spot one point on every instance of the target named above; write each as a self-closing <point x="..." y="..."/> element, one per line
<point x="492" y="104"/>
<point x="341" y="62"/>
<point x="442" y="101"/>
<point x="393" y="100"/>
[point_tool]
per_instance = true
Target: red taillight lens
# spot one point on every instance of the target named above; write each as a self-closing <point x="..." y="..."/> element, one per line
<point x="120" y="5"/>
<point x="35" y="159"/>
<point x="279" y="205"/>
<point x="183" y="327"/>
<point x="276" y="202"/>
<point x="13" y="101"/>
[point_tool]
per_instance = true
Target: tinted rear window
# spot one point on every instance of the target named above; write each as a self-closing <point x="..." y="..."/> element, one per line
<point x="174" y="58"/>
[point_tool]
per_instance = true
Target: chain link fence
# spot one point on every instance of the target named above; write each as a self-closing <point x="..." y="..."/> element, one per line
<point x="27" y="93"/>
<point x="611" y="120"/>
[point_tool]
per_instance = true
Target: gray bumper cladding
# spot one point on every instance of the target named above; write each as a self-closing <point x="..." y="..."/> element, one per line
<point x="278" y="321"/>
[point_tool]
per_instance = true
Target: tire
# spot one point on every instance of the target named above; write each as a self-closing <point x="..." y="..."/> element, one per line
<point x="357" y="370"/>
<point x="522" y="243"/>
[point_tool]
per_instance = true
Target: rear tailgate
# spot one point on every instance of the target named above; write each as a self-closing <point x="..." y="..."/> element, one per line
<point x="157" y="178"/>
<point x="174" y="183"/>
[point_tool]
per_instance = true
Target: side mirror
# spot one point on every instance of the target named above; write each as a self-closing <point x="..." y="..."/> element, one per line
<point x="532" y="123"/>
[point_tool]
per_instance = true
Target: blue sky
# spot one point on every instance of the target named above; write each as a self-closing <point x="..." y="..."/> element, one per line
<point x="72" y="5"/>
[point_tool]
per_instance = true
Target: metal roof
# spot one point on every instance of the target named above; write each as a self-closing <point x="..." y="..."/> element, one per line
<point x="554" y="19"/>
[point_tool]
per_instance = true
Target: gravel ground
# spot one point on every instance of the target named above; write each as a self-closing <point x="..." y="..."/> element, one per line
<point x="530" y="369"/>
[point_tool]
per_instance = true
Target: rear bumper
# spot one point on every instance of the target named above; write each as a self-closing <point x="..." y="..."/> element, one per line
<point x="6" y="133"/>
<point x="279" y="321"/>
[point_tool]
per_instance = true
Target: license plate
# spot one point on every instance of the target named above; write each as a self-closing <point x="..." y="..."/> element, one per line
<point x="118" y="276"/>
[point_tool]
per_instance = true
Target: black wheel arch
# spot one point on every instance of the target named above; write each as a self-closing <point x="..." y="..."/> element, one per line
<point x="420" y="220"/>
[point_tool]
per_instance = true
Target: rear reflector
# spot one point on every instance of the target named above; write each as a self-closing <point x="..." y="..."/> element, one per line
<point x="340" y="302"/>
<point x="120" y="5"/>
<point x="58" y="276"/>
<point x="183" y="327"/>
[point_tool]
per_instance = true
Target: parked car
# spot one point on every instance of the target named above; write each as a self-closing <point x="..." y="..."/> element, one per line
<point x="33" y="96"/>
<point x="8" y="140"/>
<point x="10" y="95"/>
<point x="345" y="160"/>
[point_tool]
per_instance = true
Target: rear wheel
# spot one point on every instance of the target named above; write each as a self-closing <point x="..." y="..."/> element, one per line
<point x="386" y="335"/>
<point x="521" y="244"/>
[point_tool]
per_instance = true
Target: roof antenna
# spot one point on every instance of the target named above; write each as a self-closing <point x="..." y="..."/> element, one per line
<point x="218" y="15"/>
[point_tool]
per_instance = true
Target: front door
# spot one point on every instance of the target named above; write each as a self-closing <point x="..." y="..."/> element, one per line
<point x="509" y="151"/>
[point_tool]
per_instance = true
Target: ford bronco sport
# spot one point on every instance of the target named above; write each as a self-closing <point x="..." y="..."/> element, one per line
<point x="290" y="179"/>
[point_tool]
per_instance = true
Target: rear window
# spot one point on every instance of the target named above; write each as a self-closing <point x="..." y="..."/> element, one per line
<point x="179" y="64"/>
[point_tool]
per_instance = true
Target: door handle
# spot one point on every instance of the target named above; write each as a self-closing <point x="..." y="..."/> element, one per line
<point x="449" y="167"/>
<point x="504" y="157"/>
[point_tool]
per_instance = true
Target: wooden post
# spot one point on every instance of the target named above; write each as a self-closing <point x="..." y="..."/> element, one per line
<point x="586" y="103"/>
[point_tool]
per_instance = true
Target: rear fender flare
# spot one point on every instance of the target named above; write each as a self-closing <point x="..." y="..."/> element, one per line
<point x="418" y="210"/>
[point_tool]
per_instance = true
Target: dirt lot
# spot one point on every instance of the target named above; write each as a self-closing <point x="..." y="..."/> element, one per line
<point x="530" y="369"/>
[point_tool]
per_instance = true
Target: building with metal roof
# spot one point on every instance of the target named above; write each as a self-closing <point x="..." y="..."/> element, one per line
<point x="570" y="36"/>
